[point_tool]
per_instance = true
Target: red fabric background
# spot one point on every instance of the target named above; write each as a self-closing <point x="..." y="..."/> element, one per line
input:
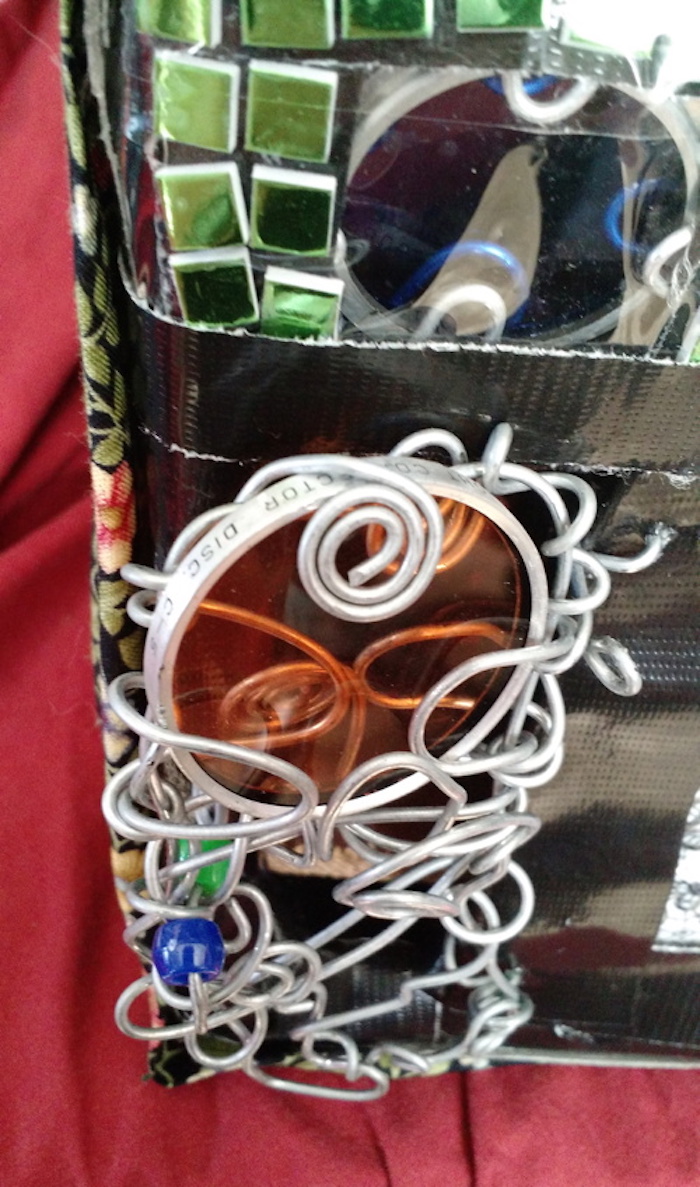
<point x="74" y="1109"/>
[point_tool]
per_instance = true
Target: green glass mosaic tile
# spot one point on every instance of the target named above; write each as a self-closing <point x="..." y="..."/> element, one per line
<point x="499" y="14"/>
<point x="193" y="21"/>
<point x="387" y="18"/>
<point x="211" y="877"/>
<point x="196" y="101"/>
<point x="299" y="305"/>
<point x="203" y="206"/>
<point x="292" y="211"/>
<point x="216" y="287"/>
<point x="288" y="24"/>
<point x="290" y="111"/>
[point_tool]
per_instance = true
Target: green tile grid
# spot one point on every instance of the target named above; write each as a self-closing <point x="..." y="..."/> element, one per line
<point x="290" y="111"/>
<point x="383" y="19"/>
<point x="196" y="101"/>
<point x="216" y="288"/>
<point x="288" y="24"/>
<point x="499" y="14"/>
<point x="299" y="305"/>
<point x="192" y="21"/>
<point x="203" y="206"/>
<point x="292" y="212"/>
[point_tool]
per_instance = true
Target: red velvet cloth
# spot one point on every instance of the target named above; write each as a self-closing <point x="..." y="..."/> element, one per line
<point x="75" y="1110"/>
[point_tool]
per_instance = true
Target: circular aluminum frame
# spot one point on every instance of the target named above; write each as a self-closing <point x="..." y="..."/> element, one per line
<point x="244" y="525"/>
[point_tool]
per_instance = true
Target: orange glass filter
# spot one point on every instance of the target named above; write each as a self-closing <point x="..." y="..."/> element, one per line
<point x="260" y="660"/>
<point x="261" y="666"/>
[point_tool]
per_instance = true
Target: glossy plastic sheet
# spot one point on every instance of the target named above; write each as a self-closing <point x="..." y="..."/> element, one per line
<point x="561" y="207"/>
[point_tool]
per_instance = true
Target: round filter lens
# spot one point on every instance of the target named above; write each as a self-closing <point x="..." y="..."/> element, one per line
<point x="558" y="219"/>
<point x="240" y="651"/>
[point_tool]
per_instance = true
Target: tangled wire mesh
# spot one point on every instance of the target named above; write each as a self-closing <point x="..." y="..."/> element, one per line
<point x="467" y="845"/>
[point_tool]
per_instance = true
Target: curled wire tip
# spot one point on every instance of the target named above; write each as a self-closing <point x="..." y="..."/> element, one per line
<point x="612" y="664"/>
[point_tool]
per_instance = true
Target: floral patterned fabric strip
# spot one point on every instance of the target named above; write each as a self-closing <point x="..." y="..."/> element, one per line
<point x="117" y="645"/>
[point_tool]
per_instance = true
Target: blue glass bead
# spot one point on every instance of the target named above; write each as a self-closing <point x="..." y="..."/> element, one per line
<point x="185" y="946"/>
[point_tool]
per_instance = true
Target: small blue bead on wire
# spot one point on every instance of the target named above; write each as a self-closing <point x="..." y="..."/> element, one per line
<point x="182" y="947"/>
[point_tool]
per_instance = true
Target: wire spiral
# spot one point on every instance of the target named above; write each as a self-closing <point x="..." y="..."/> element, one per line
<point x="412" y="528"/>
<point x="406" y="860"/>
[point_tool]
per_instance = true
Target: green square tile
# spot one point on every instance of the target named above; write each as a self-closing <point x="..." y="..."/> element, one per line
<point x="288" y="24"/>
<point x="216" y="287"/>
<point x="387" y="18"/>
<point x="203" y="206"/>
<point x="196" y="101"/>
<point x="291" y="110"/>
<point x="499" y="14"/>
<point x="292" y="212"/>
<point x="299" y="305"/>
<point x="193" y="21"/>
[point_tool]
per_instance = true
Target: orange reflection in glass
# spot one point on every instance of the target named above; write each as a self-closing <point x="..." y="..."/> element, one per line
<point x="260" y="665"/>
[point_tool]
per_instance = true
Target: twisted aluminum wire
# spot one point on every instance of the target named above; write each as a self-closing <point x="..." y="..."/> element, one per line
<point x="468" y="848"/>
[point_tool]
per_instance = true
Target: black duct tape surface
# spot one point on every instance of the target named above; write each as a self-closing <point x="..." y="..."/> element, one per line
<point x="213" y="407"/>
